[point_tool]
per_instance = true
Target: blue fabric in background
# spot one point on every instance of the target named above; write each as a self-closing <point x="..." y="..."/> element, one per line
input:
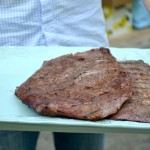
<point x="141" y="16"/>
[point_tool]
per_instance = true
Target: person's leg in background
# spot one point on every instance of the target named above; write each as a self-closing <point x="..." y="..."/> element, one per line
<point x="18" y="140"/>
<point x="78" y="141"/>
<point x="140" y="15"/>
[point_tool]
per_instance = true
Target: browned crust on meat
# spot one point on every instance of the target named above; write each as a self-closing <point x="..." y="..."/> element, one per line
<point x="88" y="85"/>
<point x="138" y="107"/>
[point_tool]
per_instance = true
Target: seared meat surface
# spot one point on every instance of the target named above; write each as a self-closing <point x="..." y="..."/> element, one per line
<point x="88" y="85"/>
<point x="138" y="107"/>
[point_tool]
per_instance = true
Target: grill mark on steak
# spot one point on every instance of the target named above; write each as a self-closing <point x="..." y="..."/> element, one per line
<point x="89" y="85"/>
<point x="138" y="107"/>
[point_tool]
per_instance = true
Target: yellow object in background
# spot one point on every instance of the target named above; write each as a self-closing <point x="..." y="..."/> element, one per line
<point x="118" y="20"/>
<point x="108" y="12"/>
<point x="116" y="26"/>
<point x="123" y="21"/>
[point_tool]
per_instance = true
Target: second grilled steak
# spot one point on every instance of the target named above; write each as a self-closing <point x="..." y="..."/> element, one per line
<point x="138" y="107"/>
<point x="89" y="85"/>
